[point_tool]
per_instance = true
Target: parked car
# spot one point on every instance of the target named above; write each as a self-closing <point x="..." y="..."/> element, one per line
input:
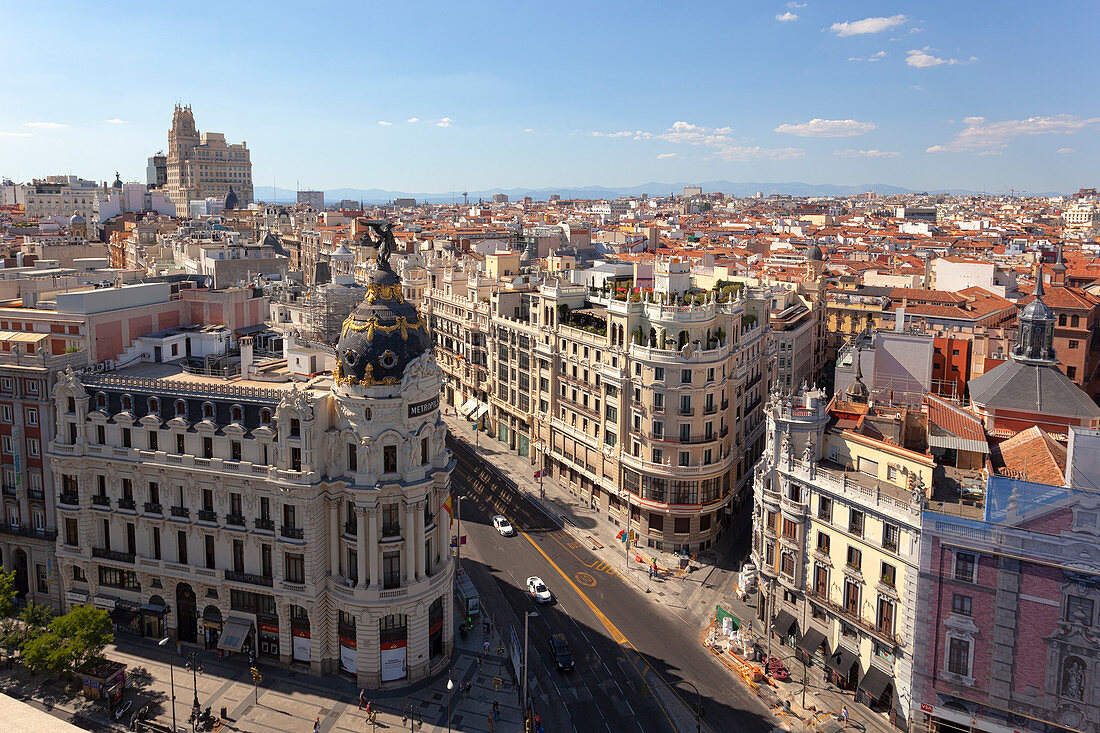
<point x="538" y="590"/>
<point x="503" y="526"/>
<point x="559" y="649"/>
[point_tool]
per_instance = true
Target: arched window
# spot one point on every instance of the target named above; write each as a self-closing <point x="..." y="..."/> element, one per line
<point x="236" y="413"/>
<point x="207" y="411"/>
<point x="181" y="408"/>
<point x="100" y="401"/>
<point x="127" y="402"/>
<point x="154" y="405"/>
<point x="1062" y="320"/>
<point x="1075" y="321"/>
<point x="265" y="416"/>
<point x="367" y="413"/>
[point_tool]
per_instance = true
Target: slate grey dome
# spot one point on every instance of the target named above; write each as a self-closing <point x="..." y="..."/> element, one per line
<point x="382" y="336"/>
<point x="814" y="254"/>
<point x="76" y="219"/>
<point x="231" y="200"/>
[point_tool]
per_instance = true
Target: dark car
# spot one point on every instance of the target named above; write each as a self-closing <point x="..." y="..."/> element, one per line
<point x="559" y="649"/>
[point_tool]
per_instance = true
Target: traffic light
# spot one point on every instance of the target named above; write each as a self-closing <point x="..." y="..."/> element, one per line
<point x="256" y="676"/>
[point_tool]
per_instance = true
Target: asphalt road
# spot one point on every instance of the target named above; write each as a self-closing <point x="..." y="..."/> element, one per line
<point x="618" y="639"/>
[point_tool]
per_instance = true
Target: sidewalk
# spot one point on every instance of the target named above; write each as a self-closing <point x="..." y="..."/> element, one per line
<point x="286" y="699"/>
<point x="690" y="595"/>
<point x="821" y="697"/>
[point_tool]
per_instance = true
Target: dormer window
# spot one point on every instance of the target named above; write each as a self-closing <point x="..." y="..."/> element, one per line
<point x="236" y="413"/>
<point x="127" y="403"/>
<point x="100" y="401"/>
<point x="181" y="408"/>
<point x="154" y="406"/>
<point x="265" y="416"/>
<point x="207" y="411"/>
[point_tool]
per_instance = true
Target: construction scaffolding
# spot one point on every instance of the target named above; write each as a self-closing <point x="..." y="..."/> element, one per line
<point x="326" y="307"/>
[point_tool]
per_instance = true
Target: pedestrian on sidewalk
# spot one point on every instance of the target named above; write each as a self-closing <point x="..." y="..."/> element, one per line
<point x="490" y="719"/>
<point x="362" y="698"/>
<point x="844" y="716"/>
<point x="485" y="646"/>
<point x="179" y="649"/>
<point x="496" y="709"/>
<point x="317" y="724"/>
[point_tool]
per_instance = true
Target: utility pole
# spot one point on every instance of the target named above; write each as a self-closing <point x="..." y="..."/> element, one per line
<point x="769" y="606"/>
<point x="195" y="667"/>
<point x="171" y="676"/>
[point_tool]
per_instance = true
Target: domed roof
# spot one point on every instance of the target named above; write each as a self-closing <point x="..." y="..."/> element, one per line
<point x="118" y="181"/>
<point x="76" y="219"/>
<point x="814" y="254"/>
<point x="231" y="200"/>
<point x="382" y="336"/>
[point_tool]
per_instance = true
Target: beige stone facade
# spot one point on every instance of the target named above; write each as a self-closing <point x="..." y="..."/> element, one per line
<point x="204" y="166"/>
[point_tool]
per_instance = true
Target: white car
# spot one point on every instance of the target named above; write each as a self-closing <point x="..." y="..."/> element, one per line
<point x="503" y="526"/>
<point x="538" y="590"/>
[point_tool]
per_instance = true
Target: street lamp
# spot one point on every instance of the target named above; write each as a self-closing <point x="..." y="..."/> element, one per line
<point x="171" y="678"/>
<point x="193" y="664"/>
<point x="450" y="688"/>
<point x="459" y="543"/>
<point x="526" y="615"/>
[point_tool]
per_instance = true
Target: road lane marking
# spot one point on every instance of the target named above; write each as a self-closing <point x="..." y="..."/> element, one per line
<point x="616" y="635"/>
<point x="585" y="579"/>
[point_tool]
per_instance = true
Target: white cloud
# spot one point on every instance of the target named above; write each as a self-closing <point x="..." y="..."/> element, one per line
<point x="786" y="17"/>
<point x="383" y="123"/>
<point x="661" y="156"/>
<point x="795" y="5"/>
<point x="445" y="122"/>
<point x="738" y="154"/>
<point x="1066" y="151"/>
<point x="413" y="120"/>
<point x="46" y="125"/>
<point x="621" y="133"/>
<point x="879" y="56"/>
<point x="922" y="59"/>
<point x="867" y="25"/>
<point x="982" y="137"/>
<point x="866" y="154"/>
<point x="528" y="130"/>
<point x="826" y="128"/>
<point x="116" y="121"/>
<point x="15" y="134"/>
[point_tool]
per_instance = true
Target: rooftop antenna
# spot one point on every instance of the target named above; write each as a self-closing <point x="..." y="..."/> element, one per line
<point x="465" y="199"/>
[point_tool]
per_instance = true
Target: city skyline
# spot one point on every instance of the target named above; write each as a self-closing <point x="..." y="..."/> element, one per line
<point x="440" y="98"/>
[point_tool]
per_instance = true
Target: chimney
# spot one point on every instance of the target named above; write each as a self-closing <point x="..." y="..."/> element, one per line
<point x="246" y="357"/>
<point x="899" y="316"/>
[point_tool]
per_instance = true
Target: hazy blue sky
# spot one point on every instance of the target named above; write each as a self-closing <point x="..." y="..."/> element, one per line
<point x="441" y="96"/>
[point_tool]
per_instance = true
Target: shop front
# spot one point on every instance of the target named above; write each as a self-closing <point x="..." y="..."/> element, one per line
<point x="435" y="628"/>
<point x="393" y="643"/>
<point x="268" y="632"/>
<point x="152" y="618"/>
<point x="843" y="668"/>
<point x="236" y="635"/>
<point x="876" y="690"/>
<point x="76" y="598"/>
<point x="812" y="648"/>
<point x="299" y="635"/>
<point x="349" y="658"/>
<point x="126" y="617"/>
<point x="211" y="626"/>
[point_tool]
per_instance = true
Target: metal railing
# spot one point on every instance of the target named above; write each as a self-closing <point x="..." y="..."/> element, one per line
<point x="116" y="555"/>
<point x="294" y="533"/>
<point x="250" y="578"/>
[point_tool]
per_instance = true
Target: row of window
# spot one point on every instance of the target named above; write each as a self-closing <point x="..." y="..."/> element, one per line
<point x="152" y="405"/>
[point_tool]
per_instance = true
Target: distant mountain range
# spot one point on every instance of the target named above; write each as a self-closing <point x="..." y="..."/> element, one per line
<point x="745" y="188"/>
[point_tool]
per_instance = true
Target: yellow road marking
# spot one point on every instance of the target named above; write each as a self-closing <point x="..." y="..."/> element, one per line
<point x="616" y="635"/>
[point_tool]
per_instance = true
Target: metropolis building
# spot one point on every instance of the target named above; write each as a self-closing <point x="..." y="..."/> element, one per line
<point x="306" y="522"/>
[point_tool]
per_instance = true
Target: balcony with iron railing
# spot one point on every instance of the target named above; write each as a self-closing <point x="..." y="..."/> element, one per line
<point x="293" y="533"/>
<point x="249" y="578"/>
<point x="101" y="500"/>
<point x="152" y="507"/>
<point x="115" y="555"/>
<point x="264" y="524"/>
<point x="886" y="636"/>
<point x="208" y="515"/>
<point x="18" y="530"/>
<point x="234" y="520"/>
<point x="180" y="512"/>
<point x="686" y="411"/>
<point x="9" y="490"/>
<point x="127" y="504"/>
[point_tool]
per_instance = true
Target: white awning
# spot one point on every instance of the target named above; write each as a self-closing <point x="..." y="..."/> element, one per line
<point x="234" y="634"/>
<point x="468" y="405"/>
<point x="481" y="410"/>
